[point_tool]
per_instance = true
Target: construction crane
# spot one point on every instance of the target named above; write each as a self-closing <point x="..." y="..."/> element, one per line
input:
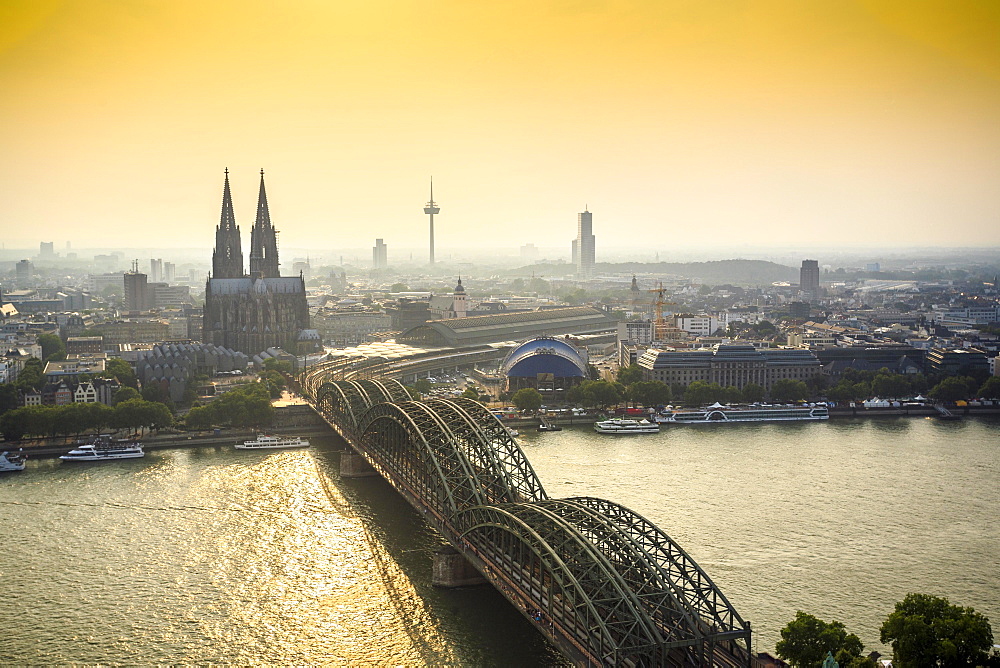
<point x="659" y="324"/>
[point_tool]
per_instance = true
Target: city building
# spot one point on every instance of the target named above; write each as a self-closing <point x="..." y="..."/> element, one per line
<point x="551" y="366"/>
<point x="379" y="254"/>
<point x="46" y="250"/>
<point x="23" y="273"/>
<point x="84" y="344"/>
<point x="584" y="245"/>
<point x="169" y="272"/>
<point x="155" y="270"/>
<point x="957" y="361"/>
<point x="480" y="329"/>
<point x="734" y="364"/>
<point x="443" y="307"/>
<point x="809" y="279"/>
<point x="251" y="313"/>
<point x="137" y="293"/>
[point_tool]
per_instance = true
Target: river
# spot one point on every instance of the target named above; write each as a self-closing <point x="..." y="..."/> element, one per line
<point x="211" y="555"/>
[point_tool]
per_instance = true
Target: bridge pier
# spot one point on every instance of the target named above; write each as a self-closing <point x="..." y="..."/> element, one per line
<point x="353" y="465"/>
<point x="451" y="569"/>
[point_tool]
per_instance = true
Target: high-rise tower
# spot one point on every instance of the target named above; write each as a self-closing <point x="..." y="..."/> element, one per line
<point x="227" y="260"/>
<point x="584" y="245"/>
<point x="263" y="240"/>
<point x="430" y="210"/>
<point x="809" y="278"/>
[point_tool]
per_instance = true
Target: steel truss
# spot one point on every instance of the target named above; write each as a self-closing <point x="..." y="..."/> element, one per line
<point x="605" y="583"/>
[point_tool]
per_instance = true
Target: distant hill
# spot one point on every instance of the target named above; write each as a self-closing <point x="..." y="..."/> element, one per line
<point x="737" y="272"/>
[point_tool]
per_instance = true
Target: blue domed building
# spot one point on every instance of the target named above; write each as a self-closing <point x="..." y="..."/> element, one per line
<point x="549" y="365"/>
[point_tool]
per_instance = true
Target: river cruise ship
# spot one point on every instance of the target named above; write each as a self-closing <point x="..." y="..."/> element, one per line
<point x="626" y="426"/>
<point x="266" y="442"/>
<point x="102" y="448"/>
<point x="717" y="413"/>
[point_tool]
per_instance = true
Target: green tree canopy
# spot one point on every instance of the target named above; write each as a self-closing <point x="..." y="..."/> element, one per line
<point x="423" y="386"/>
<point x="953" y="388"/>
<point x="649" y="393"/>
<point x="30" y="377"/>
<point x="527" y="398"/>
<point x="928" y="631"/>
<point x="753" y="393"/>
<point x="630" y="374"/>
<point x="700" y="393"/>
<point x="118" y="368"/>
<point x="990" y="389"/>
<point x="806" y="639"/>
<point x="124" y="394"/>
<point x="52" y="347"/>
<point x="787" y="389"/>
<point x="473" y="393"/>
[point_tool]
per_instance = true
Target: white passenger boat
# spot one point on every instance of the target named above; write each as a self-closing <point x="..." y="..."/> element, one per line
<point x="12" y="461"/>
<point x="102" y="447"/>
<point x="267" y="442"/>
<point x="626" y="426"/>
<point x="717" y="414"/>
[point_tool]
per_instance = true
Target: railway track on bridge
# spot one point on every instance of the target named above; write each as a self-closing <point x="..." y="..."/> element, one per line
<point x="605" y="585"/>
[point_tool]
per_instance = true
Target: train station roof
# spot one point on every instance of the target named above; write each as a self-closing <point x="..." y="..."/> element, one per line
<point x="480" y="329"/>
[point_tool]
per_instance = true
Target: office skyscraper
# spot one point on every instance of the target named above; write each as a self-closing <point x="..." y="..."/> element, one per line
<point x="584" y="245"/>
<point x="809" y="278"/>
<point x="379" y="255"/>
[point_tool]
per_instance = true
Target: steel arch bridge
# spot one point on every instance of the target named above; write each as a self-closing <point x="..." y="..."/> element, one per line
<point x="604" y="584"/>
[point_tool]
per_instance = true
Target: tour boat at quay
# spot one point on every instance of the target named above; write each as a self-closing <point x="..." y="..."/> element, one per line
<point x="626" y="426"/>
<point x="266" y="442"/>
<point x="717" y="413"/>
<point x="12" y="461"/>
<point x="102" y="447"/>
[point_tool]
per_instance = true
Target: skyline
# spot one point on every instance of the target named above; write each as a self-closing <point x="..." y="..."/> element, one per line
<point x="678" y="124"/>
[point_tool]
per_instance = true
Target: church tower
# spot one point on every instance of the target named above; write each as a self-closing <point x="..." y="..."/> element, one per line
<point x="263" y="240"/>
<point x="227" y="260"/>
<point x="458" y="305"/>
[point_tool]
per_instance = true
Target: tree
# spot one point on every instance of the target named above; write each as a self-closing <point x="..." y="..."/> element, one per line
<point x="52" y="347"/>
<point x="399" y="287"/>
<point x="753" y="393"/>
<point x="990" y="389"/>
<point x="806" y="639"/>
<point x="527" y="399"/>
<point x="472" y="393"/>
<point x="630" y="374"/>
<point x="890" y="385"/>
<point x="787" y="389"/>
<point x="928" y="631"/>
<point x="649" y="393"/>
<point x="9" y="399"/>
<point x="30" y="377"/>
<point x="605" y="394"/>
<point x="120" y="369"/>
<point x="953" y="388"/>
<point x="423" y="386"/>
<point x="700" y="393"/>
<point x="124" y="394"/>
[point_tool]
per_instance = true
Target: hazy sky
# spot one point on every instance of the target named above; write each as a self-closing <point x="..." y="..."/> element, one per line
<point x="677" y="122"/>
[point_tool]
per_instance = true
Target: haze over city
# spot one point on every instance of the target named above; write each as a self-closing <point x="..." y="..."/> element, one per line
<point x="679" y="124"/>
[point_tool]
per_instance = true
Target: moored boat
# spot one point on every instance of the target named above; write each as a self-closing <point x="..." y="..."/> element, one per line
<point x="102" y="448"/>
<point x="718" y="414"/>
<point x="268" y="442"/>
<point x="12" y="461"/>
<point x="626" y="426"/>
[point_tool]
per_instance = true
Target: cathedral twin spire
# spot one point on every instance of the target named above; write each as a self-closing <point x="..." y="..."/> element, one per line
<point x="227" y="260"/>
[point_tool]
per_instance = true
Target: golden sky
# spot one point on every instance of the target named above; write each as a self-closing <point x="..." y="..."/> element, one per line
<point x="677" y="122"/>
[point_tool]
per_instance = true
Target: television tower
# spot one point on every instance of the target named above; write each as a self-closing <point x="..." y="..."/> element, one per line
<point x="430" y="210"/>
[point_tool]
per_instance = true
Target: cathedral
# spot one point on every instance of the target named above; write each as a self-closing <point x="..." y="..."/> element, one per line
<point x="260" y="310"/>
